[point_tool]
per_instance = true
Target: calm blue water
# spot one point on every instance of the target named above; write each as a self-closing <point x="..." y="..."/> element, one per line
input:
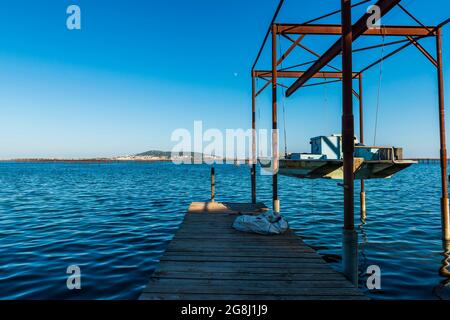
<point x="114" y="221"/>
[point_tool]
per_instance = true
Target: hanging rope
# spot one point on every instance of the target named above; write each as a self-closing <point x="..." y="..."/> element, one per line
<point x="282" y="103"/>
<point x="379" y="90"/>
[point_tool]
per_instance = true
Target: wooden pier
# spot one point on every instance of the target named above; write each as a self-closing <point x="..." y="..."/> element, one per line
<point x="209" y="260"/>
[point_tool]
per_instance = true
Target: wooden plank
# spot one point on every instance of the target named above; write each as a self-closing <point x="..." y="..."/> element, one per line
<point x="231" y="297"/>
<point x="242" y="287"/>
<point x="249" y="276"/>
<point x="162" y="285"/>
<point x="249" y="254"/>
<point x="242" y="259"/>
<point x="236" y="267"/>
<point x="208" y="259"/>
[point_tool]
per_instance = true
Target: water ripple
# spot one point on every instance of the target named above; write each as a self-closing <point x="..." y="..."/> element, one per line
<point x="115" y="220"/>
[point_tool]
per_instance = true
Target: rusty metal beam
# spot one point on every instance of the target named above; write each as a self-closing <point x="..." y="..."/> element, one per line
<point x="335" y="29"/>
<point x="357" y="29"/>
<point x="253" y="169"/>
<point x="380" y="45"/>
<point x="350" y="238"/>
<point x="333" y="13"/>
<point x="362" y="194"/>
<point x="321" y="83"/>
<point x="269" y="30"/>
<point x="289" y="50"/>
<point x="390" y="54"/>
<point x="297" y="74"/>
<point x="263" y="88"/>
<point x="297" y="65"/>
<point x="310" y="51"/>
<point x="443" y="146"/>
<point x="423" y="50"/>
<point x="348" y="142"/>
<point x="276" y="202"/>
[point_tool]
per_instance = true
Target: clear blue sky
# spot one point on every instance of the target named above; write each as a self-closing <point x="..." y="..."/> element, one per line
<point x="140" y="69"/>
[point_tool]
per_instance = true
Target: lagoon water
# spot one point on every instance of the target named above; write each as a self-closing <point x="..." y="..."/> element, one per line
<point x="114" y="221"/>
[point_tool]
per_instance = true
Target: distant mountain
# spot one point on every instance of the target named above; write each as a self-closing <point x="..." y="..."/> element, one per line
<point x="155" y="153"/>
<point x="162" y="154"/>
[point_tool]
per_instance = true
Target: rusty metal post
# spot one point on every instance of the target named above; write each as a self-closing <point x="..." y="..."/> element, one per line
<point x="213" y="184"/>
<point x="443" y="153"/>
<point x="350" y="239"/>
<point x="362" y="194"/>
<point x="253" y="168"/>
<point x="276" y="202"/>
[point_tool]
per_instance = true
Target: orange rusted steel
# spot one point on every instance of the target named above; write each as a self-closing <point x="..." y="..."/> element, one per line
<point x="335" y="29"/>
<point x="296" y="74"/>
<point x="358" y="29"/>
<point x="253" y="169"/>
<point x="423" y="50"/>
<point x="442" y="138"/>
<point x="289" y="50"/>
<point x="263" y="88"/>
<point x="348" y="143"/>
<point x="274" y="120"/>
<point x="277" y="11"/>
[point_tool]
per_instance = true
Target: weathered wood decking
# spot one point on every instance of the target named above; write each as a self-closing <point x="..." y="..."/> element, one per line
<point x="208" y="259"/>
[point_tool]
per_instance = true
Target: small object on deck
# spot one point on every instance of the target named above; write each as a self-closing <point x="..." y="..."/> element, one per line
<point x="209" y="260"/>
<point x="266" y="223"/>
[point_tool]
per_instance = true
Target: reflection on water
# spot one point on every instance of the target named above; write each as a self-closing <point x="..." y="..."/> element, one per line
<point x="444" y="272"/>
<point x="115" y="220"/>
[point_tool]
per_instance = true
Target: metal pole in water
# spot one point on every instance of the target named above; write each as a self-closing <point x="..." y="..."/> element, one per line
<point x="362" y="195"/>
<point x="213" y="184"/>
<point x="443" y="153"/>
<point x="276" y="202"/>
<point x="350" y="238"/>
<point x="253" y="169"/>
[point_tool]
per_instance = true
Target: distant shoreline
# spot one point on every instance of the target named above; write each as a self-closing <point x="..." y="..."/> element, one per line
<point x="81" y="160"/>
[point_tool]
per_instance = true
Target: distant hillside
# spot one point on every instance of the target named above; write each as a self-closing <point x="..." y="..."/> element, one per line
<point x="155" y="153"/>
<point x="159" y="153"/>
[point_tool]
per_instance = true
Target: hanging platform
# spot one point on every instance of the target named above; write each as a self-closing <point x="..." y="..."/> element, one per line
<point x="333" y="169"/>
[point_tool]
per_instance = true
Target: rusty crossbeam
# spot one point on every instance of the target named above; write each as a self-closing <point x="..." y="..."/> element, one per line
<point x="423" y="50"/>
<point x="297" y="65"/>
<point x="335" y="29"/>
<point x="263" y="88"/>
<point x="310" y="51"/>
<point x="289" y="50"/>
<point x="296" y="74"/>
<point x="277" y="11"/>
<point x="357" y="29"/>
<point x="380" y="45"/>
<point x="333" y="13"/>
<point x="390" y="54"/>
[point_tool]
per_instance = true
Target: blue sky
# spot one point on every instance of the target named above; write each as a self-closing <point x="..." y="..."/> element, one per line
<point x="140" y="69"/>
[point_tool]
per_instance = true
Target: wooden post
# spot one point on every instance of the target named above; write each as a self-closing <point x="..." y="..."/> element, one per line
<point x="350" y="239"/>
<point x="276" y="202"/>
<point x="253" y="168"/>
<point x="362" y="195"/>
<point x="443" y="153"/>
<point x="213" y="184"/>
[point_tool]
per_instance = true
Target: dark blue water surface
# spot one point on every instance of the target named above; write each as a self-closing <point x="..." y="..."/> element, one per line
<point x="114" y="221"/>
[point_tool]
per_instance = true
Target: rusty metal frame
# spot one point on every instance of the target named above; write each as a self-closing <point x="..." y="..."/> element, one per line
<point x="349" y="33"/>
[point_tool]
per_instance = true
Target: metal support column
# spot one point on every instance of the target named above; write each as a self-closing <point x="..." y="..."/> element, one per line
<point x="350" y="239"/>
<point x="276" y="202"/>
<point x="362" y="195"/>
<point x="443" y="153"/>
<point x="253" y="168"/>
